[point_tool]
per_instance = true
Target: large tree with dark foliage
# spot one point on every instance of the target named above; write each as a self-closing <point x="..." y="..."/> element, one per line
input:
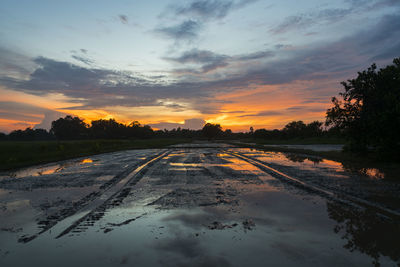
<point x="136" y="130"/>
<point x="69" y="128"/>
<point x="211" y="130"/>
<point x="369" y="110"/>
<point x="294" y="129"/>
<point x="108" y="129"/>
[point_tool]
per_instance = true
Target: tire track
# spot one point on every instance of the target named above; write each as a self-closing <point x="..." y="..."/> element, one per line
<point x="114" y="187"/>
<point x="115" y="199"/>
<point x="336" y="196"/>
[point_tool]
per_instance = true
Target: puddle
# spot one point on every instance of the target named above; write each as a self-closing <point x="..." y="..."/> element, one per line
<point x="36" y="171"/>
<point x="84" y="161"/>
<point x="185" y="164"/>
<point x="373" y="173"/>
<point x="201" y="208"/>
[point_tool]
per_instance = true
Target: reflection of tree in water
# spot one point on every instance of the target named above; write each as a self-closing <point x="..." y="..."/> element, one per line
<point x="301" y="158"/>
<point x="366" y="232"/>
<point x="371" y="170"/>
<point x="374" y="170"/>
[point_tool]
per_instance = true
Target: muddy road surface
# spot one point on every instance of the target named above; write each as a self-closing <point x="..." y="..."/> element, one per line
<point x="198" y="205"/>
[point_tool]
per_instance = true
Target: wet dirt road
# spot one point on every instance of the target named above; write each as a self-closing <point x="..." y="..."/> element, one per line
<point x="198" y="205"/>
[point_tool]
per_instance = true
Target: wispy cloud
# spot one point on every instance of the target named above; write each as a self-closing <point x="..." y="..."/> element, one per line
<point x="267" y="113"/>
<point x="123" y="18"/>
<point x="196" y="14"/>
<point x="208" y="60"/>
<point x="87" y="61"/>
<point x="331" y="15"/>
<point x="305" y="20"/>
<point x="207" y="9"/>
<point x="187" y="30"/>
<point x="255" y="55"/>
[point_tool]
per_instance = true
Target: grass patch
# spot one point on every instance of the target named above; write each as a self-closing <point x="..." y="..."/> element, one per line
<point x="21" y="154"/>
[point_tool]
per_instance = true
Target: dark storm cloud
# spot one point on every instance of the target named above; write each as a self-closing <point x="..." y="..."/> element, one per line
<point x="123" y="19"/>
<point x="187" y="30"/>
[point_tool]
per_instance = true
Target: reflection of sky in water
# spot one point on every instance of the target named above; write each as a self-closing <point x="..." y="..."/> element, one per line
<point x="50" y="169"/>
<point x="36" y="171"/>
<point x="288" y="232"/>
<point x="373" y="173"/>
<point x="312" y="163"/>
<point x="291" y="229"/>
<point x="86" y="161"/>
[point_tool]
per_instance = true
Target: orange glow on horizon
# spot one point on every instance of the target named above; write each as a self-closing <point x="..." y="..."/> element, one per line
<point x="267" y="106"/>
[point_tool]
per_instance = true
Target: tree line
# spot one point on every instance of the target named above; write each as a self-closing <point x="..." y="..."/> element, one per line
<point x="366" y="113"/>
<point x="74" y="128"/>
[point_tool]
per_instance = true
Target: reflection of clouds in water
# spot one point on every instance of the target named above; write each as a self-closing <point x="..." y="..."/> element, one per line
<point x="17" y="205"/>
<point x="185" y="246"/>
<point x="186" y="251"/>
<point x="199" y="218"/>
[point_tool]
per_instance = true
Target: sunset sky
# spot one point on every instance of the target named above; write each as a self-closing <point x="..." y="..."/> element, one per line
<point x="182" y="63"/>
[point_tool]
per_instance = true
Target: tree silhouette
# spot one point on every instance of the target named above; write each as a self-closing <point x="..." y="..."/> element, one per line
<point x="369" y="112"/>
<point x="107" y="129"/>
<point x="30" y="134"/>
<point x="366" y="232"/>
<point x="69" y="128"/>
<point x="295" y="129"/>
<point x="211" y="130"/>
